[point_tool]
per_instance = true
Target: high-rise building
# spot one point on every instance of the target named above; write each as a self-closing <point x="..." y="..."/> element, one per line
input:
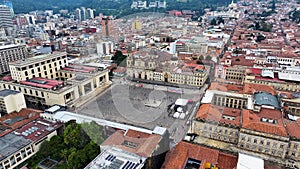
<point x="5" y="17"/>
<point x="90" y="13"/>
<point x="105" y="48"/>
<point x="10" y="6"/>
<point x="78" y="14"/>
<point x="106" y="26"/>
<point x="136" y="25"/>
<point x="83" y="13"/>
<point x="10" y="53"/>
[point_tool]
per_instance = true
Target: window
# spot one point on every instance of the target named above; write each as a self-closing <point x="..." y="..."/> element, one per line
<point x="295" y="146"/>
<point x="243" y="138"/>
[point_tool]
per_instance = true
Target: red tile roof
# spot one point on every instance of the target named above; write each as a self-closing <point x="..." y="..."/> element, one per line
<point x="293" y="128"/>
<point x="145" y="143"/>
<point x="226" y="87"/>
<point x="250" y="88"/>
<point x="227" y="161"/>
<point x="177" y="158"/>
<point x="38" y="129"/>
<point x="252" y="121"/>
<point x="214" y="113"/>
<point x="256" y="71"/>
<point x="241" y="60"/>
<point x="27" y="115"/>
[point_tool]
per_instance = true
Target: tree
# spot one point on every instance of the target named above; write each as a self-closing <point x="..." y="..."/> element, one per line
<point x="201" y="57"/>
<point x="295" y="16"/>
<point x="257" y="26"/>
<point x="260" y="38"/>
<point x="208" y="57"/>
<point x="213" y="22"/>
<point x="220" y="20"/>
<point x="94" y="131"/>
<point x="273" y="7"/>
<point x="73" y="150"/>
<point x="118" y="57"/>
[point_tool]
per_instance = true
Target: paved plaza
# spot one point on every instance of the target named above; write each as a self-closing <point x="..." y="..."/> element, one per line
<point x="128" y="104"/>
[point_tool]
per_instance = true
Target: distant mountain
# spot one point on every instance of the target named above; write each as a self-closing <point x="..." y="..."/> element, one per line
<point x="25" y="6"/>
<point x="111" y="7"/>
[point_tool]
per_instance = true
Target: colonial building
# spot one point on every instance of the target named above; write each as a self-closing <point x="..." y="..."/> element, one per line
<point x="281" y="80"/>
<point x="257" y="127"/>
<point x="187" y="155"/>
<point x="161" y="67"/>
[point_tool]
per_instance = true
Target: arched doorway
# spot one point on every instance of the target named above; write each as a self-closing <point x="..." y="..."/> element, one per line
<point x="166" y="77"/>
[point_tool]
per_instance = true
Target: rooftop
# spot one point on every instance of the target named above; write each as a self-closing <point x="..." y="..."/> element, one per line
<point x="37" y="59"/>
<point x="293" y="128"/>
<point x="7" y="92"/>
<point x="15" y="120"/>
<point x="266" y="121"/>
<point x="136" y="142"/>
<point x="251" y="88"/>
<point x="184" y="152"/>
<point x="266" y="99"/>
<point x="37" y="129"/>
<point x="115" y="158"/>
<point x="219" y="114"/>
<point x="11" y="143"/>
<point x="9" y="46"/>
<point x="44" y="83"/>
<point x="226" y="87"/>
<point x="249" y="162"/>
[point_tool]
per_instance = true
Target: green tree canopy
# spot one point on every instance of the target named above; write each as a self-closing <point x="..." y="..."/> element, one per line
<point x="213" y="22"/>
<point x="118" y="58"/>
<point x="94" y="131"/>
<point x="74" y="149"/>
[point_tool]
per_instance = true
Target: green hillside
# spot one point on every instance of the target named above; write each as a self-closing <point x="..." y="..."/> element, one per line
<point x="112" y="7"/>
